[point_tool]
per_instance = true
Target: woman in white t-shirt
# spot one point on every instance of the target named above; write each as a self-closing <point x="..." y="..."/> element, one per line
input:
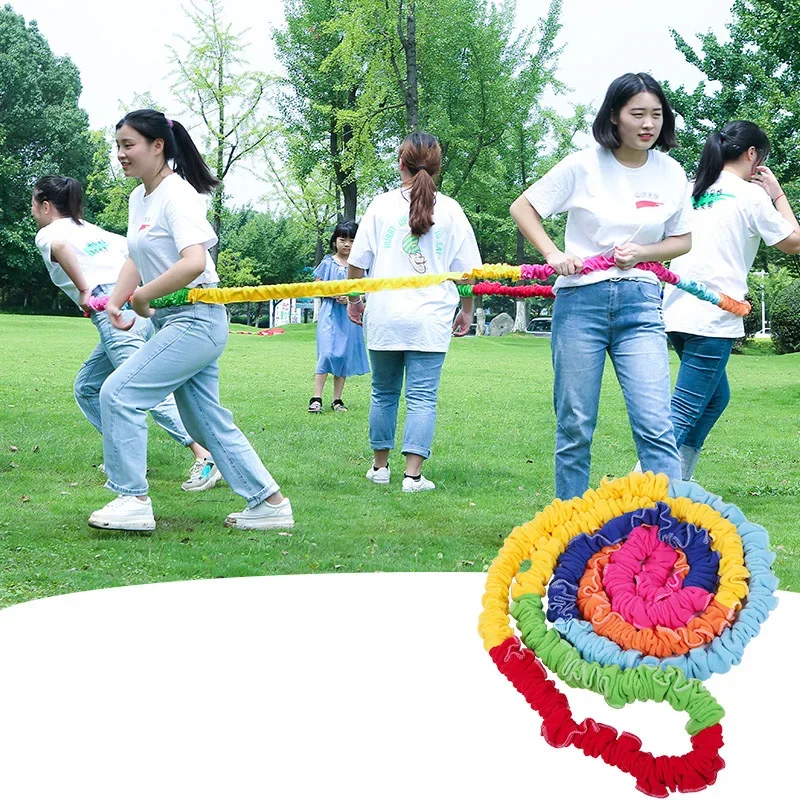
<point x="626" y="199"/>
<point x="732" y="196"/>
<point x="413" y="230"/>
<point x="84" y="261"/>
<point x="168" y="240"/>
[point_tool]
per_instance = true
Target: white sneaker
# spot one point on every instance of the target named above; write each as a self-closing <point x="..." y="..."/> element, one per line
<point x="102" y="468"/>
<point x="420" y="485"/>
<point x="203" y="475"/>
<point x="126" y="513"/>
<point x="379" y="474"/>
<point x="264" y="517"/>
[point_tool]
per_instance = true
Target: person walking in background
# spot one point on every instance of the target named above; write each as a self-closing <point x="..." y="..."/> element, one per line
<point x="411" y="230"/>
<point x="340" y="344"/>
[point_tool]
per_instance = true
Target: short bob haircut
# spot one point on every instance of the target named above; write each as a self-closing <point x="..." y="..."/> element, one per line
<point x="347" y="229"/>
<point x="618" y="94"/>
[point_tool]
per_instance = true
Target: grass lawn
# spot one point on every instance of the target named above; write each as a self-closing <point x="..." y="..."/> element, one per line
<point x="492" y="464"/>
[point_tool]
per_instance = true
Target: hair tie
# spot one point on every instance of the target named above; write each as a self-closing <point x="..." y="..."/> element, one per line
<point x="423" y="168"/>
<point x="721" y="136"/>
<point x="169" y="121"/>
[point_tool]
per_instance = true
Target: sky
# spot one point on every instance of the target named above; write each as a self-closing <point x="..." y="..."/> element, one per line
<point x="123" y="48"/>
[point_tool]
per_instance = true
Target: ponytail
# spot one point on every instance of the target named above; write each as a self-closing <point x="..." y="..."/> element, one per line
<point x="725" y="146"/>
<point x="422" y="157"/>
<point x="65" y="194"/>
<point x="178" y="146"/>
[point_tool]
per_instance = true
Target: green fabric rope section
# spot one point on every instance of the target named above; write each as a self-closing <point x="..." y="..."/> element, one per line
<point x="619" y="687"/>
<point x="179" y="298"/>
<point x="464" y="289"/>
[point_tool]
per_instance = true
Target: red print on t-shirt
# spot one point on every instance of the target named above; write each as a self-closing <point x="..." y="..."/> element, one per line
<point x="145" y="225"/>
<point x="647" y="204"/>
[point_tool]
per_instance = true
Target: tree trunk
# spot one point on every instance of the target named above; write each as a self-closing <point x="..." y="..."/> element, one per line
<point x="407" y="30"/>
<point x="480" y="317"/>
<point x="216" y="202"/>
<point x="319" y="250"/>
<point x="521" y="317"/>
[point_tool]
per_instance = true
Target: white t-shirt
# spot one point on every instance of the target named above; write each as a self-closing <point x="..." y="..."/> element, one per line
<point x="609" y="204"/>
<point x="165" y="222"/>
<point x="384" y="247"/>
<point x="728" y="224"/>
<point x="100" y="254"/>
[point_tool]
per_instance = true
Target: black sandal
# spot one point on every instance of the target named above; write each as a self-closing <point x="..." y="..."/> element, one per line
<point x="315" y="405"/>
<point x="338" y="405"/>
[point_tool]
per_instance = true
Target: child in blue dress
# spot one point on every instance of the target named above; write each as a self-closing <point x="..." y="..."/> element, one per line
<point x="341" y="351"/>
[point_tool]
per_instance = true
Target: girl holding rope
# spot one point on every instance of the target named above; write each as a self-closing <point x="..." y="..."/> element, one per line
<point x="84" y="261"/>
<point x="737" y="203"/>
<point x="168" y="241"/>
<point x="411" y="230"/>
<point x="624" y="198"/>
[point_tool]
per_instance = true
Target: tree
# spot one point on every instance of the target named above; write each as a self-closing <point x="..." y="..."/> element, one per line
<point x="212" y="81"/>
<point x="42" y="131"/>
<point x="758" y="72"/>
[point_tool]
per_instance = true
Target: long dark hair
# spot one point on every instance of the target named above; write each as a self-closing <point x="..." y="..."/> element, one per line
<point x="422" y="156"/>
<point x="66" y="194"/>
<point x="347" y="229"/>
<point x="617" y="95"/>
<point x="178" y="146"/>
<point x="727" y="145"/>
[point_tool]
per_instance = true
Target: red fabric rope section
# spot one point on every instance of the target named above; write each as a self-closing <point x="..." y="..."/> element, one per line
<point x="656" y="776"/>
<point x="532" y="290"/>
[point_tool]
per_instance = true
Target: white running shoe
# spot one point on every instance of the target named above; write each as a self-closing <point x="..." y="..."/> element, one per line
<point x="203" y="475"/>
<point x="379" y="474"/>
<point x="125" y="513"/>
<point x="264" y="517"/>
<point x="422" y="484"/>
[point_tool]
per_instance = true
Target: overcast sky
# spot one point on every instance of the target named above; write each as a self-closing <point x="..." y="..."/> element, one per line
<point x="122" y="48"/>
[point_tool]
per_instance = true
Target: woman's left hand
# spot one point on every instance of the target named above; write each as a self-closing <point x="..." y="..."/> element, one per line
<point x="462" y="323"/>
<point x="140" y="306"/>
<point x="766" y="179"/>
<point x="628" y="255"/>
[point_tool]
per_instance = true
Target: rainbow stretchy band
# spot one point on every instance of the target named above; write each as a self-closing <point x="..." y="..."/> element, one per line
<point x="489" y="272"/>
<point x="650" y="587"/>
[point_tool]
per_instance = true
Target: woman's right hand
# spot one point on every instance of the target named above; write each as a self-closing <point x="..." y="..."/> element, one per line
<point x="114" y="313"/>
<point x="564" y="264"/>
<point x="766" y="179"/>
<point x="83" y="301"/>
<point x="355" y="312"/>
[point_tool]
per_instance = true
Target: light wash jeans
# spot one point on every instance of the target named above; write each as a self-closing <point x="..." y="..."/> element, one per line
<point x="622" y="318"/>
<point x="423" y="372"/>
<point x="181" y="358"/>
<point x="701" y="392"/>
<point x="114" y="348"/>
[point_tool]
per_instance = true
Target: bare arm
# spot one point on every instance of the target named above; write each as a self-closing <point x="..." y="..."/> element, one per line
<point x="530" y="226"/>
<point x="189" y="267"/>
<point x="127" y="282"/>
<point x="65" y="256"/>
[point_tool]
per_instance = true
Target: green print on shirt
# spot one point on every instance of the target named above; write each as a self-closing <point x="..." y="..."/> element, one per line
<point x="415" y="257"/>
<point x="708" y="199"/>
<point x="93" y="248"/>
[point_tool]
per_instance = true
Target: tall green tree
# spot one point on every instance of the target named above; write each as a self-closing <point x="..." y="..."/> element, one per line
<point x="214" y="82"/>
<point x="42" y="131"/>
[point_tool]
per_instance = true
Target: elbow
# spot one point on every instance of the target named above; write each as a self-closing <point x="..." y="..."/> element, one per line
<point x="516" y="207"/>
<point x="685" y="245"/>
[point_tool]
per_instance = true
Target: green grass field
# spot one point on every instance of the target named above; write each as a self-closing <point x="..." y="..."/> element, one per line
<point x="492" y="463"/>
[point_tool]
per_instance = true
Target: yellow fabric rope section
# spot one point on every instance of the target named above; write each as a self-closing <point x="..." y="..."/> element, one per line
<point x="284" y="291"/>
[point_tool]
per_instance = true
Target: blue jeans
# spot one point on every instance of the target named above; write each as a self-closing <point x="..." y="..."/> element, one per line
<point x="622" y="318"/>
<point x="423" y="372"/>
<point x="701" y="391"/>
<point x="182" y="359"/>
<point x="115" y="347"/>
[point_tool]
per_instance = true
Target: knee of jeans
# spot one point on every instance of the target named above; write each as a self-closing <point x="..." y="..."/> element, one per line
<point x="421" y="400"/>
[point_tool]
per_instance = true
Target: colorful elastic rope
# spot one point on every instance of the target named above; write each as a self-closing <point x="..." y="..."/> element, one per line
<point x="650" y="588"/>
<point x="488" y="273"/>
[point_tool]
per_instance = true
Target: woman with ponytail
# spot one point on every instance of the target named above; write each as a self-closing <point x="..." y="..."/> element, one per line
<point x="624" y="199"/>
<point x="737" y="203"/>
<point x="168" y="241"/>
<point x="84" y="261"/>
<point x="409" y="231"/>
